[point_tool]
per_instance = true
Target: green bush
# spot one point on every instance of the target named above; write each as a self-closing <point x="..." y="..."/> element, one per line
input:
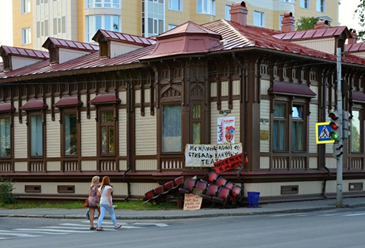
<point x="6" y="191"/>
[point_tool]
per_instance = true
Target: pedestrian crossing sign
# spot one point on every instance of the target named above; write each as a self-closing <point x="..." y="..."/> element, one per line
<point x="323" y="130"/>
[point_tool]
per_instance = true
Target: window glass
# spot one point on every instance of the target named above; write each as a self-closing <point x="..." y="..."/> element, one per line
<point x="94" y="23"/>
<point x="227" y="15"/>
<point x="70" y="134"/>
<point x="25" y="6"/>
<point x="36" y="136"/>
<point x="304" y="4"/>
<point x="107" y="126"/>
<point x="89" y="4"/>
<point x="26" y="36"/>
<point x="355" y="132"/>
<point x="297" y="128"/>
<point x="321" y="6"/>
<point x="205" y="7"/>
<point x="175" y="5"/>
<point x="5" y="146"/>
<point x="171" y="128"/>
<point x="259" y="19"/>
<point x="279" y="127"/>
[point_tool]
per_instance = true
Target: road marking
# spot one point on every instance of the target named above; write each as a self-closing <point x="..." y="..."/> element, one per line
<point x="152" y="224"/>
<point x="11" y="233"/>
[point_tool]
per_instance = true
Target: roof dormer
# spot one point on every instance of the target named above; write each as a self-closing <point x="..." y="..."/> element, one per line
<point x="15" y="57"/>
<point x="113" y="44"/>
<point x="61" y="51"/>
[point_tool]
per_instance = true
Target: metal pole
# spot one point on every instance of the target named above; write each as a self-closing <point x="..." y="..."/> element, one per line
<point x="339" y="109"/>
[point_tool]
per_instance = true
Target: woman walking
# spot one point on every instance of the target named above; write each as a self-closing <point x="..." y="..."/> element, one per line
<point x="93" y="200"/>
<point x="106" y="203"/>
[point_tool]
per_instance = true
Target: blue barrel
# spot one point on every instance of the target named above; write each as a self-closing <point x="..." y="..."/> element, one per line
<point x="253" y="199"/>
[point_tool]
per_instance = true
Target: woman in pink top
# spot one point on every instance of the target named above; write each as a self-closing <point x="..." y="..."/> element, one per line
<point x="93" y="200"/>
<point x="106" y="203"/>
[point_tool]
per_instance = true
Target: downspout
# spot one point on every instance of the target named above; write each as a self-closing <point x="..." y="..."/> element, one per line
<point x="243" y="119"/>
<point x="129" y="138"/>
<point x="323" y="146"/>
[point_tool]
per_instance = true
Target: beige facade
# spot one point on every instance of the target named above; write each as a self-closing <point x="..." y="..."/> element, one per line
<point x="75" y="20"/>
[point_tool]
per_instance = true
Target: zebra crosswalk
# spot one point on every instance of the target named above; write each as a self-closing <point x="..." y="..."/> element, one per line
<point x="69" y="228"/>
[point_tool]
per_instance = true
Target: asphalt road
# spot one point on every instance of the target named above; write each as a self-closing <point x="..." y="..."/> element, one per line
<point x="330" y="228"/>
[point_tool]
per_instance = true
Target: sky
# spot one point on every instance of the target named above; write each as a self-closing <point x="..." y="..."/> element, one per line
<point x="347" y="9"/>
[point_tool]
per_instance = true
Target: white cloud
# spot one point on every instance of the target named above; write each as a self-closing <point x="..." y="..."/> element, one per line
<point x="6" y="21"/>
<point x="347" y="9"/>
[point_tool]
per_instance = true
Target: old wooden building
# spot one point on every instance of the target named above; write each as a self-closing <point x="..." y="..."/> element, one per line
<point x="127" y="106"/>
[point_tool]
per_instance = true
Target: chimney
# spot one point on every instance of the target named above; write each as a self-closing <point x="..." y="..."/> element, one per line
<point x="288" y="23"/>
<point x="238" y="13"/>
<point x="353" y="39"/>
<point x="322" y="24"/>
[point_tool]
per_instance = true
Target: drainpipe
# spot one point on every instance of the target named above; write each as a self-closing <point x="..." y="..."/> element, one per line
<point x="129" y="138"/>
<point x="243" y="119"/>
<point x="323" y="146"/>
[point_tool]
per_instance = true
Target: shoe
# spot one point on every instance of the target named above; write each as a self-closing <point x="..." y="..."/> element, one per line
<point x="88" y="215"/>
<point x="117" y="227"/>
<point x="92" y="228"/>
<point x="99" y="229"/>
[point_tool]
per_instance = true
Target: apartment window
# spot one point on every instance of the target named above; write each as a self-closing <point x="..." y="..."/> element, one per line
<point x="356" y="131"/>
<point x="304" y="4"/>
<point x="94" y="23"/>
<point x="25" y="6"/>
<point x="36" y="135"/>
<point x="38" y="2"/>
<point x="42" y="28"/>
<point x="279" y="127"/>
<point x="227" y="15"/>
<point x="171" y="128"/>
<point x="59" y="25"/>
<point x="321" y="6"/>
<point x="25" y="36"/>
<point x="205" y="7"/>
<point x="197" y="123"/>
<point x="297" y="128"/>
<point x="280" y="19"/>
<point x="107" y="132"/>
<point x="70" y="134"/>
<point x="259" y="19"/>
<point x="5" y="145"/>
<point x="90" y="4"/>
<point x="171" y="26"/>
<point x="175" y="5"/>
<point x="287" y="1"/>
<point x="155" y="26"/>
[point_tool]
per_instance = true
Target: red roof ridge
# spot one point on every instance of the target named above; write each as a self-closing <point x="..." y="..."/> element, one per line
<point x="53" y="42"/>
<point x="24" y="52"/>
<point x="122" y="37"/>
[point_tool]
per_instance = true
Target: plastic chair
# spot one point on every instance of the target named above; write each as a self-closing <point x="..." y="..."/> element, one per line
<point x="229" y="185"/>
<point x="221" y="181"/>
<point x="188" y="187"/>
<point x="212" y="177"/>
<point x="212" y="191"/>
<point x="236" y="194"/>
<point x="201" y="185"/>
<point x="223" y="195"/>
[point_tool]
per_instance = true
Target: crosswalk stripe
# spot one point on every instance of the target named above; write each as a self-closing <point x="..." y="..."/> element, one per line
<point x="10" y="233"/>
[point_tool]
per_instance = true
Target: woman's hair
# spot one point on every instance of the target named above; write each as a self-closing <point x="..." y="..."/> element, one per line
<point x="95" y="179"/>
<point x="106" y="181"/>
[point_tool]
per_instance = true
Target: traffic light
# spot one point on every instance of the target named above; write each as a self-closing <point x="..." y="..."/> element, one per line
<point x="337" y="149"/>
<point x="346" y="124"/>
<point x="335" y="125"/>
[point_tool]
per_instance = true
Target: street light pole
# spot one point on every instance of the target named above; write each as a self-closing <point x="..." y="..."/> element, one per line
<point x="339" y="109"/>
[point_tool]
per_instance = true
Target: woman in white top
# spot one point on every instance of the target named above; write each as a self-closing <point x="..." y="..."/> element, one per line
<point x="106" y="203"/>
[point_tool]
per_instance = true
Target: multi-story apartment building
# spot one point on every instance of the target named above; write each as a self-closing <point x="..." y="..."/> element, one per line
<point x="35" y="20"/>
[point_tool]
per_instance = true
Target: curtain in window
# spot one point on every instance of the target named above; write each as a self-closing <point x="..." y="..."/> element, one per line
<point x="171" y="128"/>
<point x="70" y="134"/>
<point x="355" y="131"/>
<point x="36" y="136"/>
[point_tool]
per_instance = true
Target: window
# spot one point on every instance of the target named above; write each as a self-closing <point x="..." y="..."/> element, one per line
<point x="304" y="4"/>
<point x="197" y="125"/>
<point x="5" y="145"/>
<point x="155" y="26"/>
<point x="36" y="135"/>
<point x="280" y="19"/>
<point x="297" y="128"/>
<point x="279" y="126"/>
<point x="70" y="134"/>
<point x="227" y="15"/>
<point x="171" y="26"/>
<point x="107" y="132"/>
<point x="42" y="29"/>
<point x="355" y="132"/>
<point x="59" y="25"/>
<point x="26" y="36"/>
<point x="321" y="6"/>
<point x="175" y="5"/>
<point x="287" y="1"/>
<point x="205" y="7"/>
<point x="39" y="2"/>
<point x="259" y="18"/>
<point x="94" y="23"/>
<point x="25" y="6"/>
<point x="115" y="4"/>
<point x="171" y="128"/>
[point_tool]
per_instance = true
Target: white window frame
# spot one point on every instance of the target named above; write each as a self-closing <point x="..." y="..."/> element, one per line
<point x="321" y="6"/>
<point x="227" y="15"/>
<point x="26" y="36"/>
<point x="205" y="7"/>
<point x="92" y="4"/>
<point x="281" y="17"/>
<point x="25" y="6"/>
<point x="36" y="136"/>
<point x="304" y="4"/>
<point x="176" y="5"/>
<point x="259" y="18"/>
<point x="91" y="28"/>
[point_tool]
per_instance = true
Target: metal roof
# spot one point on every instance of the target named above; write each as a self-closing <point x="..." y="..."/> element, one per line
<point x="318" y="33"/>
<point x="25" y="52"/>
<point x="69" y="44"/>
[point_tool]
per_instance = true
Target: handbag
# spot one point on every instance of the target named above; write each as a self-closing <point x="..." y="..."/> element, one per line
<point x="86" y="203"/>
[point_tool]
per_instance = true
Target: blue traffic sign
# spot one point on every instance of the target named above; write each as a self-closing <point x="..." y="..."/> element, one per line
<point x="323" y="130"/>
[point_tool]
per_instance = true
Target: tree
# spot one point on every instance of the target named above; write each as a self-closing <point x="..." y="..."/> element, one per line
<point x="305" y="23"/>
<point x="360" y="12"/>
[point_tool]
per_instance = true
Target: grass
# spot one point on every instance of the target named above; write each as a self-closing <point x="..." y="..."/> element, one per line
<point x="130" y="205"/>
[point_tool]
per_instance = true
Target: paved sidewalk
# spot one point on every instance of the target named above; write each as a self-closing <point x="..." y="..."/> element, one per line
<point x="288" y="207"/>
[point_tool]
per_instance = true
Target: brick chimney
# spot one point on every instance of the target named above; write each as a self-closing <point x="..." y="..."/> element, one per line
<point x="288" y="23"/>
<point x="353" y="39"/>
<point x="322" y="24"/>
<point x="238" y="13"/>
